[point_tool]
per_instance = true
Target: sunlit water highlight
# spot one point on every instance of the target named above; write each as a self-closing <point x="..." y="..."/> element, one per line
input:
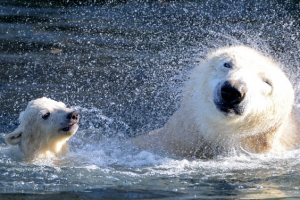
<point x="122" y="66"/>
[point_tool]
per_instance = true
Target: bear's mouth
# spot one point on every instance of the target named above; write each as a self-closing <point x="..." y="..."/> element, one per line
<point x="228" y="109"/>
<point x="69" y="127"/>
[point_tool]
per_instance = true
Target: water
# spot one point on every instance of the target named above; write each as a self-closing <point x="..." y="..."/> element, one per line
<point x="122" y="64"/>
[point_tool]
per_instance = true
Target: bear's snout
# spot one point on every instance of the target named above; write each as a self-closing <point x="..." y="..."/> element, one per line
<point x="232" y="92"/>
<point x="229" y="97"/>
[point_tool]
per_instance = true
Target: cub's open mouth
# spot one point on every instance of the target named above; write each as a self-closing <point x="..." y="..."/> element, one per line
<point x="68" y="128"/>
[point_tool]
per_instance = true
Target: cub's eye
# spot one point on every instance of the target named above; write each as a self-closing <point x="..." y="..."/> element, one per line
<point x="46" y="116"/>
<point x="227" y="65"/>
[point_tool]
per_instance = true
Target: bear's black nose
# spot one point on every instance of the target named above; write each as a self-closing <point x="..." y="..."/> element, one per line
<point x="73" y="116"/>
<point x="232" y="93"/>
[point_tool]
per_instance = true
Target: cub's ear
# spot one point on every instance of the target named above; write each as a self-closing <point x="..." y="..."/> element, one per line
<point x="14" y="138"/>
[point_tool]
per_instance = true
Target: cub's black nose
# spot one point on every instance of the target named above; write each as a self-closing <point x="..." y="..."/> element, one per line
<point x="73" y="115"/>
<point x="232" y="93"/>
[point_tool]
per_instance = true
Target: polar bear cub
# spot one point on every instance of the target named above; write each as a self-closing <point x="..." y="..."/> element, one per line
<point x="45" y="126"/>
<point x="236" y="99"/>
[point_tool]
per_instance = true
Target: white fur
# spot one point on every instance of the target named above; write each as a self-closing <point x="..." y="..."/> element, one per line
<point x="198" y="128"/>
<point x="38" y="136"/>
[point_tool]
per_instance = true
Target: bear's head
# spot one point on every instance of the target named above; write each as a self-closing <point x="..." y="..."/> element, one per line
<point x="45" y="125"/>
<point x="244" y="89"/>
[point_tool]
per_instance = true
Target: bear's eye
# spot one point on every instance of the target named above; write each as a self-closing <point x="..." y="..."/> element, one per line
<point x="227" y="65"/>
<point x="46" y="116"/>
<point x="267" y="82"/>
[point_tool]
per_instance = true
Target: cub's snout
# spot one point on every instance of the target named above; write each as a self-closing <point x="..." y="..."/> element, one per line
<point x="73" y="116"/>
<point x="71" y="124"/>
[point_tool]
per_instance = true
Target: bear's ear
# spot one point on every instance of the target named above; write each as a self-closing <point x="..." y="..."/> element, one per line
<point x="14" y="138"/>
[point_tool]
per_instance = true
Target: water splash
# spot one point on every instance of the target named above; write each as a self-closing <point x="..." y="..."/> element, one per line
<point x="123" y="65"/>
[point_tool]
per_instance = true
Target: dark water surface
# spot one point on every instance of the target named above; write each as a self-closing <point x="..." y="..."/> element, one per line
<point x="122" y="65"/>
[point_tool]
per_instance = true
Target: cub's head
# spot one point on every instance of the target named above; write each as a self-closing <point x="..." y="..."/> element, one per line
<point x="43" y="123"/>
<point x="240" y="84"/>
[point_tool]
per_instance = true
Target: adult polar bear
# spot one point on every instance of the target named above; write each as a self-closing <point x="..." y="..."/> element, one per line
<point x="45" y="126"/>
<point x="235" y="99"/>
